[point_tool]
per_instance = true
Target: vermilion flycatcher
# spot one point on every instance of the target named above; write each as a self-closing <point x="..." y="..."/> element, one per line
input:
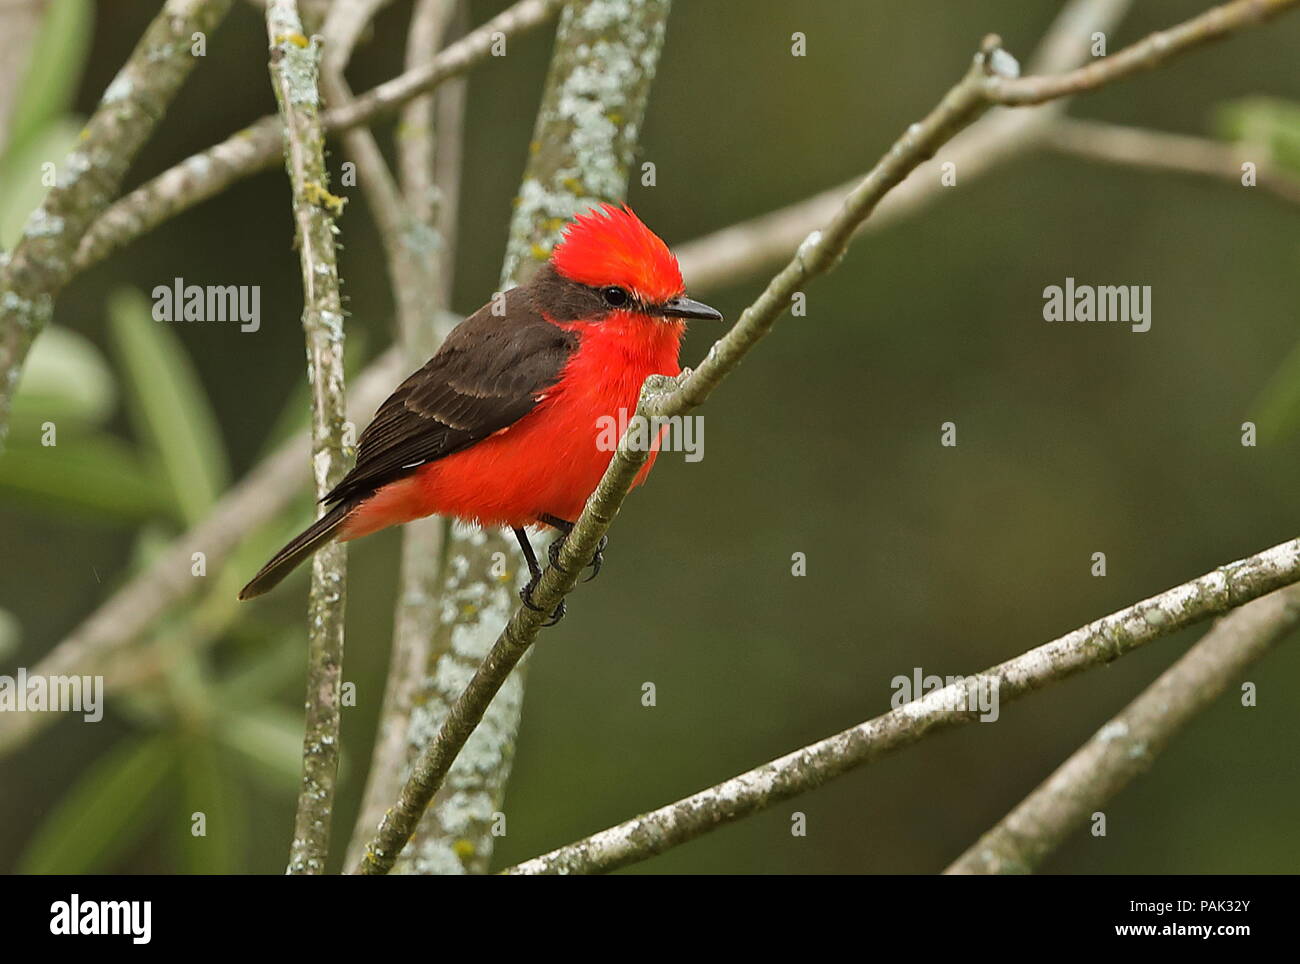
<point x="501" y="426"/>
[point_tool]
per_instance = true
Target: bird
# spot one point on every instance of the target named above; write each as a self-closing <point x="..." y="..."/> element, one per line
<point x="500" y="428"/>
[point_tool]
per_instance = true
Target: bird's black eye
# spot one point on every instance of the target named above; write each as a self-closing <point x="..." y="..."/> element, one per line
<point x="614" y="297"/>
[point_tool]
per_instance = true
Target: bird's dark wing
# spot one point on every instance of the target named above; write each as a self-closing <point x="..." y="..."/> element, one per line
<point x="487" y="375"/>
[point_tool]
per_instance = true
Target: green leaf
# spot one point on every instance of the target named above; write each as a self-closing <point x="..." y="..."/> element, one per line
<point x="1268" y="123"/>
<point x="11" y="633"/>
<point x="1277" y="406"/>
<point x="22" y="175"/>
<point x="269" y="737"/>
<point x="169" y="404"/>
<point x="66" y="381"/>
<point x="210" y="788"/>
<point x="97" y="478"/>
<point x="255" y="679"/>
<point x="104" y="813"/>
<point x="54" y="70"/>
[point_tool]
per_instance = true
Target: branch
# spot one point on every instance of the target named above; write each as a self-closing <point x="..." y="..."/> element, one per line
<point x="1135" y="147"/>
<point x="1093" y="645"/>
<point x="984" y="84"/>
<point x="1147" y="54"/>
<point x="344" y="25"/>
<point x="765" y="242"/>
<point x="294" y="61"/>
<point x="32" y="275"/>
<point x="257" y="146"/>
<point x="1127" y="746"/>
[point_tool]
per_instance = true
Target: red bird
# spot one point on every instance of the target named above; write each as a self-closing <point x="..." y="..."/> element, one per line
<point x="500" y="427"/>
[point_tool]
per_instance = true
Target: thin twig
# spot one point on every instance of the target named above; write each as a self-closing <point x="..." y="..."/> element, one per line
<point x="1146" y="54"/>
<point x="1093" y="645"/>
<point x="294" y="63"/>
<point x="1160" y="151"/>
<point x="344" y="25"/>
<point x="257" y="146"/>
<point x="41" y="263"/>
<point x="763" y="243"/>
<point x="1128" y="745"/>
<point x="984" y="84"/>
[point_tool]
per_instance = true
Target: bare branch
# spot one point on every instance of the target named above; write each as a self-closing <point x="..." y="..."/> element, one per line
<point x="257" y="146"/>
<point x="1128" y="745"/>
<point x="661" y="396"/>
<point x="1147" y="54"/>
<point x="1157" y="150"/>
<point x="294" y="63"/>
<point x="344" y="25"/>
<point x="32" y="275"/>
<point x="763" y="243"/>
<point x="1093" y="645"/>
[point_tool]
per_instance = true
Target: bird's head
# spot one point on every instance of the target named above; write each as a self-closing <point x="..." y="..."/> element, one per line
<point x="609" y="251"/>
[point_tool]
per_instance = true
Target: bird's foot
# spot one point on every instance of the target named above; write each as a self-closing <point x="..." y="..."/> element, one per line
<point x="597" y="559"/>
<point x="526" y="594"/>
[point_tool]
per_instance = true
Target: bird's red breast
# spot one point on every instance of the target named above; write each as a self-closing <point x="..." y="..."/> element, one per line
<point x="550" y="460"/>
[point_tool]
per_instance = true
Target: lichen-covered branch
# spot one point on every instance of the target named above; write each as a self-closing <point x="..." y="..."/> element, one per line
<point x="422" y="282"/>
<point x="294" y="65"/>
<point x="40" y="264"/>
<point x="1128" y="745"/>
<point x="1093" y="645"/>
<point x="257" y="146"/>
<point x="346" y="21"/>
<point x="983" y="85"/>
<point x="1162" y="151"/>
<point x="582" y="149"/>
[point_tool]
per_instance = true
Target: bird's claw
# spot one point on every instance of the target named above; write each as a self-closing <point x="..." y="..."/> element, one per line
<point x="526" y="594"/>
<point x="597" y="559"/>
<point x="553" y="553"/>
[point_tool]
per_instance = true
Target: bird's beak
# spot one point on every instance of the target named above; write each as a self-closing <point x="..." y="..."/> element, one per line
<point x="687" y="308"/>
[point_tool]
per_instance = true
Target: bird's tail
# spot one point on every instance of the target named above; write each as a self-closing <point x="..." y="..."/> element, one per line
<point x="299" y="548"/>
